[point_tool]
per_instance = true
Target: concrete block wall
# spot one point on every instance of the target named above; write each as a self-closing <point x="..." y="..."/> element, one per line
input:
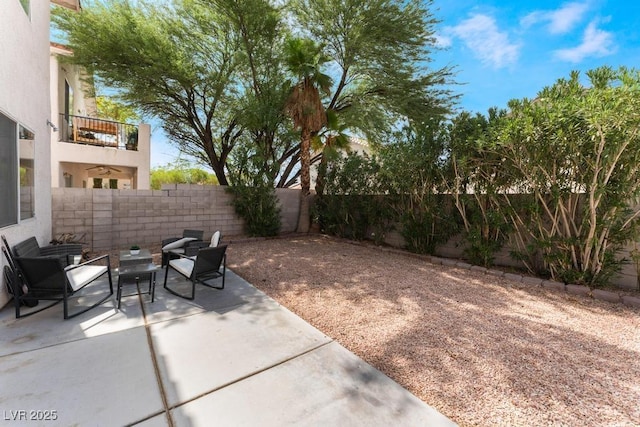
<point x="72" y="213"/>
<point x="289" y="208"/>
<point x="116" y="219"/>
<point x="454" y="248"/>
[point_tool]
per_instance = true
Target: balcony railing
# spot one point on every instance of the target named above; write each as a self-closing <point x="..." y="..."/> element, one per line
<point x="92" y="131"/>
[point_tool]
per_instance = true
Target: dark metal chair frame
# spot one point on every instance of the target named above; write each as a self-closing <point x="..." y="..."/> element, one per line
<point x="168" y="255"/>
<point x="206" y="266"/>
<point x="46" y="278"/>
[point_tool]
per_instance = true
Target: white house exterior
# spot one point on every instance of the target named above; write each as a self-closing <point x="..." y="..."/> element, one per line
<point x="25" y="135"/>
<point x="89" y="152"/>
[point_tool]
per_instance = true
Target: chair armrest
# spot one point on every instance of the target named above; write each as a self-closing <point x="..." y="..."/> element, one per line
<point x="192" y="248"/>
<point x="91" y="261"/>
<point x="190" y="257"/>
<point x="80" y="275"/>
<point x="169" y="240"/>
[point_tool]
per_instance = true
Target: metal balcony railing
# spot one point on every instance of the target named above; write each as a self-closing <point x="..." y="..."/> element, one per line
<point x="92" y="131"/>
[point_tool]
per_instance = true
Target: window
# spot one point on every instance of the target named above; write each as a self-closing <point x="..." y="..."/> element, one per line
<point x="65" y="124"/>
<point x="8" y="172"/>
<point x="17" y="183"/>
<point x="68" y="180"/>
<point x="27" y="185"/>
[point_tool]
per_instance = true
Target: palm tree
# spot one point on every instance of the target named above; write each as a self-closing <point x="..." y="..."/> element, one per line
<point x="304" y="58"/>
<point x="329" y="143"/>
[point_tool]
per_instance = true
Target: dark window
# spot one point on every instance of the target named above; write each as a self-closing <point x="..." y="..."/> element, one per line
<point x="8" y="172"/>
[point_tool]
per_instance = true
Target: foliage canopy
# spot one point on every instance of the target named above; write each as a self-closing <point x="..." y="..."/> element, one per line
<point x="215" y="71"/>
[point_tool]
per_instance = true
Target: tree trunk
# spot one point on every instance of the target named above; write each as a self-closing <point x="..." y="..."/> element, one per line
<point x="321" y="178"/>
<point x="305" y="181"/>
<point x="304" y="221"/>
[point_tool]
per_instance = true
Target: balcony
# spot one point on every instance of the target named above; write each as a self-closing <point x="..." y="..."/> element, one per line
<point x="98" y="132"/>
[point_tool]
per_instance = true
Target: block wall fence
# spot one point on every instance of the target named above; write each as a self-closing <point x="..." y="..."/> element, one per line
<point x="116" y="219"/>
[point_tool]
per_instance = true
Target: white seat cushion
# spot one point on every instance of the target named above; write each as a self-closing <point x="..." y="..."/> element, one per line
<point x="80" y="276"/>
<point x="183" y="266"/>
<point x="178" y="243"/>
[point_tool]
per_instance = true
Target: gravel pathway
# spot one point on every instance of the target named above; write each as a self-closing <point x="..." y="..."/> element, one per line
<point x="480" y="349"/>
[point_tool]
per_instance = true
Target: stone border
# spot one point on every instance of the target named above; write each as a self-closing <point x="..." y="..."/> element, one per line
<point x="581" y="290"/>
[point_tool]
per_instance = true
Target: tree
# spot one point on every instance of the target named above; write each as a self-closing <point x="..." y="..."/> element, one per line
<point x="180" y="172"/>
<point x="304" y="58"/>
<point x="475" y="176"/>
<point x="268" y="148"/>
<point x="576" y="150"/>
<point x="112" y="109"/>
<point x="213" y="71"/>
<point x="379" y="52"/>
<point x="413" y="165"/>
<point x="175" y="61"/>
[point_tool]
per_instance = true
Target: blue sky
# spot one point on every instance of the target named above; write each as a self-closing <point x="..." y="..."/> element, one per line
<point x="512" y="49"/>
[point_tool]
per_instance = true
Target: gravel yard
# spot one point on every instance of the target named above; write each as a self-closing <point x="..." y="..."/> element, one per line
<point x="480" y="349"/>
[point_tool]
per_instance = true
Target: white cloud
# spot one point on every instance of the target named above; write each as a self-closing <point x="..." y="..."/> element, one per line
<point x="595" y="42"/>
<point x="560" y="21"/>
<point x="482" y="36"/>
<point x="443" y="41"/>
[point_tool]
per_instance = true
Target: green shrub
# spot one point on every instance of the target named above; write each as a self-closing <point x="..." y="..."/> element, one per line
<point x="259" y="208"/>
<point x="352" y="205"/>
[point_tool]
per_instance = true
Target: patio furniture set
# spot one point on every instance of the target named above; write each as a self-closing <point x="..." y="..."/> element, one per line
<point x="56" y="273"/>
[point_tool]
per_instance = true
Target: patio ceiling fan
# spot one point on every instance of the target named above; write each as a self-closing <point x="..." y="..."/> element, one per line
<point x="104" y="170"/>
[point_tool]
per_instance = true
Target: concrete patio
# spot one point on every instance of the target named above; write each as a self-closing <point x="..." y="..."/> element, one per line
<point x="231" y="357"/>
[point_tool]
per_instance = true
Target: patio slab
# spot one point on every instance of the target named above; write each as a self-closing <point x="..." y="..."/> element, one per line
<point x="199" y="354"/>
<point x="231" y="357"/>
<point x="102" y="380"/>
<point x="328" y="386"/>
<point x="166" y="306"/>
<point x="48" y="328"/>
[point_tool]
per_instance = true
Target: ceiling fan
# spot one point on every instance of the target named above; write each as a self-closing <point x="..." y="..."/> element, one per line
<point x="105" y="170"/>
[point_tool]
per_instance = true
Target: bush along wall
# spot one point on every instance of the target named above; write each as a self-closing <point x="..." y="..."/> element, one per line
<point x="258" y="207"/>
<point x="572" y="155"/>
<point x="351" y="205"/>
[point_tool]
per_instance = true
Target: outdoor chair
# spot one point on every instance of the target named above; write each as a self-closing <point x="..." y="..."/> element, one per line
<point x="33" y="275"/>
<point x="209" y="264"/>
<point x="193" y="247"/>
<point x="30" y="248"/>
<point x="47" y="278"/>
<point x="15" y="284"/>
<point x="173" y="247"/>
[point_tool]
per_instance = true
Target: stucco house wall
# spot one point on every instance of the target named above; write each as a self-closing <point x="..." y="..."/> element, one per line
<point x="76" y="159"/>
<point x="24" y="98"/>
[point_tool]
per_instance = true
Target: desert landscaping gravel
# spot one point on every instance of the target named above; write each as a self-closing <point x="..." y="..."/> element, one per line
<point x="481" y="349"/>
